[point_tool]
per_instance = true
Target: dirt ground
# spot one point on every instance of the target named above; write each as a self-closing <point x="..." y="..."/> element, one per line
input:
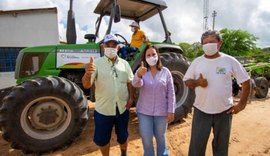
<point x="250" y="136"/>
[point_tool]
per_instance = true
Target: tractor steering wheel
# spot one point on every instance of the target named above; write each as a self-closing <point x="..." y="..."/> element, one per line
<point x="123" y="38"/>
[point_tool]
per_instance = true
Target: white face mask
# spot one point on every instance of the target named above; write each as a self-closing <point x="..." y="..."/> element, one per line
<point x="133" y="29"/>
<point x="152" y="60"/>
<point x="210" y="48"/>
<point x="110" y="52"/>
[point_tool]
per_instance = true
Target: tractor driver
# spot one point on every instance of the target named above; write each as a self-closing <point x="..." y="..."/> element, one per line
<point x="138" y="37"/>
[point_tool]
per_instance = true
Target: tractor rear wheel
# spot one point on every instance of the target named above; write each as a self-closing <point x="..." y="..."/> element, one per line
<point x="261" y="89"/>
<point x="185" y="96"/>
<point x="43" y="114"/>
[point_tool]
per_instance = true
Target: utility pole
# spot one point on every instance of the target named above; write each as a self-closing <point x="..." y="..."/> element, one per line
<point x="214" y="14"/>
<point x="205" y="14"/>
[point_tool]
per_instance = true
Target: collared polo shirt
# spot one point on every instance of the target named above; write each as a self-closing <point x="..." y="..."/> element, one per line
<point x="111" y="85"/>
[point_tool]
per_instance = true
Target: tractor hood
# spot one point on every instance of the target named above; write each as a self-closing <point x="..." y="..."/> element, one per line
<point x="139" y="10"/>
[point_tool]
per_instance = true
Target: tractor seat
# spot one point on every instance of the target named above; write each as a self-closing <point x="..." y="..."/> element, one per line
<point x="90" y="37"/>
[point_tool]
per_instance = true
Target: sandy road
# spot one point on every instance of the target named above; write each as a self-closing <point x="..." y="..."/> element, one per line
<point x="250" y="136"/>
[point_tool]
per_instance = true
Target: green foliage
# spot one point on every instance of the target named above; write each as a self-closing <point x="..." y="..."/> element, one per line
<point x="197" y="48"/>
<point x="238" y="42"/>
<point x="267" y="49"/>
<point x="262" y="57"/>
<point x="186" y="47"/>
<point x="191" y="51"/>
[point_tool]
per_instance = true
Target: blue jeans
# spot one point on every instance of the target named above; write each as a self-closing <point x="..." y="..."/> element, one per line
<point x="201" y="127"/>
<point x="124" y="51"/>
<point x="150" y="126"/>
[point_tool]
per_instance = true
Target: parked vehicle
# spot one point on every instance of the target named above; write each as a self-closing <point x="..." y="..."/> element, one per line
<point x="260" y="77"/>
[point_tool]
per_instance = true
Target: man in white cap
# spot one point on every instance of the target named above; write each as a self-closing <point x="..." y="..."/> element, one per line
<point x="114" y="95"/>
<point x="138" y="37"/>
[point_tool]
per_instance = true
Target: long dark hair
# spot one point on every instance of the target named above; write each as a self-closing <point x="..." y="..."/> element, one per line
<point x="159" y="64"/>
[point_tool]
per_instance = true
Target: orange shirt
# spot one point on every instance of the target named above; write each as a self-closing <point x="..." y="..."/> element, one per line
<point x="137" y="39"/>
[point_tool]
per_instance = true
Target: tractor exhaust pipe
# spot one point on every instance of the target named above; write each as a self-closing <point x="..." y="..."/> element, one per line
<point x="71" y="28"/>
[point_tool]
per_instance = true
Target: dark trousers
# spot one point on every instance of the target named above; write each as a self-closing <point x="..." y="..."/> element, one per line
<point x="104" y="125"/>
<point x="124" y="51"/>
<point x="201" y="128"/>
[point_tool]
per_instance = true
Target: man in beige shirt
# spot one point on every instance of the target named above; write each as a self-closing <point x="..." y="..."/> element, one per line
<point x="114" y="95"/>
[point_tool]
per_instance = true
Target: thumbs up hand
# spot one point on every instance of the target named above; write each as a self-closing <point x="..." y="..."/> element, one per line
<point x="142" y="70"/>
<point x="202" y="81"/>
<point x="90" y="67"/>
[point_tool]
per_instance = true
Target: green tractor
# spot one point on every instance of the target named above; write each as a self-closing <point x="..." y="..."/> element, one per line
<point x="48" y="107"/>
<point x="260" y="73"/>
<point x="260" y="79"/>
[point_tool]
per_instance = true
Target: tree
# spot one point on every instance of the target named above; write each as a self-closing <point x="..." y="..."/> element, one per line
<point x="191" y="51"/>
<point x="197" y="48"/>
<point x="186" y="47"/>
<point x="267" y="49"/>
<point x="235" y="43"/>
<point x="238" y="42"/>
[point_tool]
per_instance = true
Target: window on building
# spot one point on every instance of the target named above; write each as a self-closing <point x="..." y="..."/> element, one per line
<point x="8" y="56"/>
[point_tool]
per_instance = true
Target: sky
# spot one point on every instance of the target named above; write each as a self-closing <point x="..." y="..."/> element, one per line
<point x="184" y="18"/>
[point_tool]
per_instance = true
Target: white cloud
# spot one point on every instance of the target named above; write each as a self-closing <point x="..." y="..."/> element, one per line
<point x="183" y="18"/>
<point x="264" y="5"/>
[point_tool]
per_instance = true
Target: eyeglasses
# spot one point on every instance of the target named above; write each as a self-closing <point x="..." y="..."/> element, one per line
<point x="114" y="71"/>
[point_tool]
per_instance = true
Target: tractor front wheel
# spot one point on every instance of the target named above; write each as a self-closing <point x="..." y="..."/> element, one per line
<point x="43" y="114"/>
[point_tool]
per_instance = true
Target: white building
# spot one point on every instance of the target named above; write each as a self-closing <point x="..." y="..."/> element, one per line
<point x="25" y="28"/>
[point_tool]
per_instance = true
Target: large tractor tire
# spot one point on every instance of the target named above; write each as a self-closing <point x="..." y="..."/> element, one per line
<point x="43" y="114"/>
<point x="261" y="89"/>
<point x="3" y="93"/>
<point x="76" y="77"/>
<point x="185" y="96"/>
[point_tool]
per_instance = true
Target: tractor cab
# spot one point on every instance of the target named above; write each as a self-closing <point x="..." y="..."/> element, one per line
<point x="136" y="10"/>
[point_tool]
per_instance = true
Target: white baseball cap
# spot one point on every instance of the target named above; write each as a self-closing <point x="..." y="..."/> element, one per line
<point x="134" y="24"/>
<point x="110" y="37"/>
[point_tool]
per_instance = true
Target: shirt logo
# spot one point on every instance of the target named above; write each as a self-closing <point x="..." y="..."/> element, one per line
<point x="220" y="70"/>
